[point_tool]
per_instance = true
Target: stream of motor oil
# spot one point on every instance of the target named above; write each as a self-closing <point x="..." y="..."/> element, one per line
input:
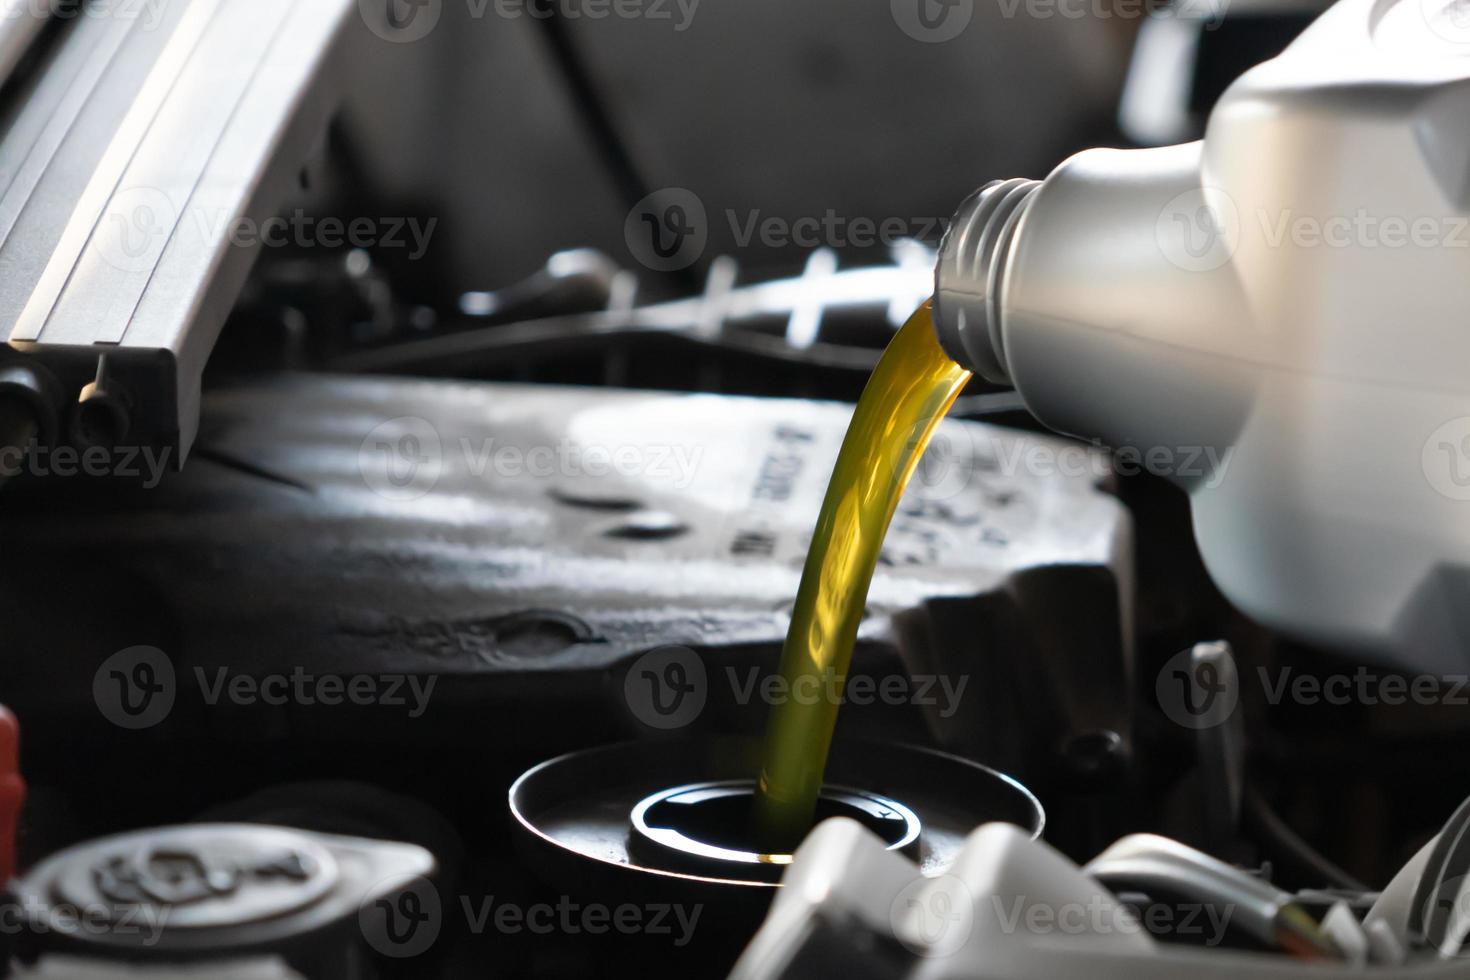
<point x="907" y="396"/>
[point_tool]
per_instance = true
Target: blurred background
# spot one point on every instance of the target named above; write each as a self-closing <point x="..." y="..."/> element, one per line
<point x="750" y="136"/>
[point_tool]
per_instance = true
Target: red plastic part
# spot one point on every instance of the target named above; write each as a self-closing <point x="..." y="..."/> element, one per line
<point x="12" y="792"/>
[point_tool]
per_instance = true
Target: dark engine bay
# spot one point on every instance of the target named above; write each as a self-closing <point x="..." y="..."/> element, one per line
<point x="285" y="682"/>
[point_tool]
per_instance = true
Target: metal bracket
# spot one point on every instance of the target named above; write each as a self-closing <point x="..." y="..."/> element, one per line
<point x="139" y="150"/>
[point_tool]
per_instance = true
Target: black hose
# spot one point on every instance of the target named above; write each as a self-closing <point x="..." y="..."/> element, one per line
<point x="587" y="98"/>
<point x="597" y="119"/>
<point x="1291" y="848"/>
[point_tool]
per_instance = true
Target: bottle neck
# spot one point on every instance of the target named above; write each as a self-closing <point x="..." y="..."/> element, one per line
<point x="970" y="275"/>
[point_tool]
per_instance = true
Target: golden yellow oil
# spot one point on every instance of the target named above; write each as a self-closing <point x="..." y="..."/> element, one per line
<point x="907" y="396"/>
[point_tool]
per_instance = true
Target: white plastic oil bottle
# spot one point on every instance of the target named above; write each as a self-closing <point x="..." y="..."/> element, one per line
<point x="1286" y="303"/>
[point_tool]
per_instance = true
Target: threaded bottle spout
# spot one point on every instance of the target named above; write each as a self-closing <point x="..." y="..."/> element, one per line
<point x="969" y="276"/>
